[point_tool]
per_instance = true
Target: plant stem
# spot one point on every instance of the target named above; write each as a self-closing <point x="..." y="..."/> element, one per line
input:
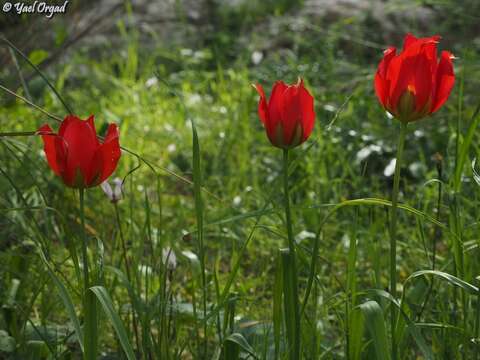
<point x="477" y="325"/>
<point x="128" y="271"/>
<point x="393" y="234"/>
<point x="436" y="236"/>
<point x="89" y="300"/>
<point x="17" y="133"/>
<point x="295" y="347"/>
<point x="86" y="280"/>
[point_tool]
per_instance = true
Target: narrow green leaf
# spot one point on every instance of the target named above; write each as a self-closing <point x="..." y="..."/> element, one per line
<point x="412" y="327"/>
<point x="242" y="343"/>
<point x="465" y="147"/>
<point x="67" y="301"/>
<point x="355" y="332"/>
<point x="199" y="212"/>
<point x="450" y="278"/>
<point x="136" y="300"/>
<point x="106" y="302"/>
<point x="277" y="306"/>
<point x="288" y="299"/>
<point x="376" y="327"/>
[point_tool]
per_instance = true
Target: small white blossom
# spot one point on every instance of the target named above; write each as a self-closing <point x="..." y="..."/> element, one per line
<point x="303" y="235"/>
<point x="151" y="82"/>
<point x="237" y="200"/>
<point x="390" y="169"/>
<point x="329" y="108"/>
<point x="116" y="193"/>
<point x="257" y="57"/>
<point x="171" y="148"/>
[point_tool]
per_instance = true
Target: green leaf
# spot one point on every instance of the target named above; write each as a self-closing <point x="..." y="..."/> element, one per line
<point x="288" y="297"/>
<point x="7" y="343"/>
<point x="277" y="306"/>
<point x="38" y="56"/>
<point x="66" y="299"/>
<point x="464" y="148"/>
<point x="355" y="331"/>
<point x="37" y="349"/>
<point x="106" y="302"/>
<point x="450" y="278"/>
<point x="412" y="327"/>
<point x="242" y="343"/>
<point x="376" y="327"/>
<point x="361" y="202"/>
<point x="136" y="300"/>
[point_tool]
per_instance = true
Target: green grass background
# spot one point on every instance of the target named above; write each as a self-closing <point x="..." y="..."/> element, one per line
<point x="153" y="89"/>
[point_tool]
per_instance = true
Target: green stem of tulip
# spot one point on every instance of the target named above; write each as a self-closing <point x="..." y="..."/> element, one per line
<point x="393" y="234"/>
<point x="295" y="347"/>
<point x="89" y="302"/>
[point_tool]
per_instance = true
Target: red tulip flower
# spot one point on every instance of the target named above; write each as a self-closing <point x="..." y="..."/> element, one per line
<point x="289" y="115"/>
<point x="76" y="155"/>
<point x="414" y="83"/>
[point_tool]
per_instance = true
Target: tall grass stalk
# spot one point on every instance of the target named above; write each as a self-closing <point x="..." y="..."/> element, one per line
<point x="128" y="272"/>
<point x="295" y="346"/>
<point x="199" y="212"/>
<point x="90" y="331"/>
<point x="393" y="235"/>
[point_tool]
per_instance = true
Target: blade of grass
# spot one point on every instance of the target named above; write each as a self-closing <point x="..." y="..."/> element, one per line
<point x="240" y="341"/>
<point x="376" y="327"/>
<point x="469" y="288"/>
<point x="66" y="299"/>
<point x="277" y="306"/>
<point x="107" y="304"/>
<point x="199" y="212"/>
<point x="39" y="72"/>
<point x="289" y="279"/>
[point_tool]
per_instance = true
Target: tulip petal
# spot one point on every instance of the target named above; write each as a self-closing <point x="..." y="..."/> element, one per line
<point x="54" y="149"/>
<point x="291" y="113"/>
<point x="418" y="60"/>
<point x="445" y="78"/>
<point x="275" y="102"/>
<point x="262" y="104"/>
<point x="408" y="40"/>
<point x="423" y="81"/>
<point x="308" y="112"/>
<point x="81" y="139"/>
<point x="413" y="83"/>
<point x="106" y="157"/>
<point x="274" y="119"/>
<point x="381" y="82"/>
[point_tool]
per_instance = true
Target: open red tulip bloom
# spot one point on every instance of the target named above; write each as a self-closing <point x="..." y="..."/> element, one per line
<point x="414" y="83"/>
<point x="289" y="115"/>
<point x="76" y="155"/>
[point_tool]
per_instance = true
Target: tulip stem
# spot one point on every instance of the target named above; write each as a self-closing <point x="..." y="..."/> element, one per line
<point x="393" y="234"/>
<point x="295" y="346"/>
<point x="89" y="300"/>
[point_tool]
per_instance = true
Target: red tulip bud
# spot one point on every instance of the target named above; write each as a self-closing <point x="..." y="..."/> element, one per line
<point x="289" y="115"/>
<point x="414" y="83"/>
<point x="76" y="155"/>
